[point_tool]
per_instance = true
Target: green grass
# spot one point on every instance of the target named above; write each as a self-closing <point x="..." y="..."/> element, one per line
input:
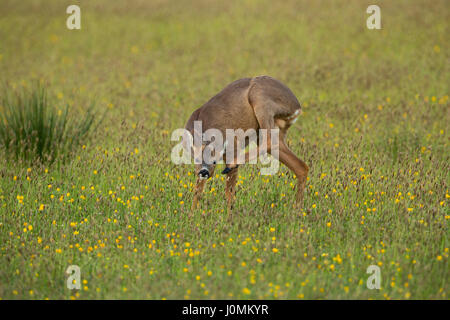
<point x="374" y="133"/>
<point x="32" y="130"/>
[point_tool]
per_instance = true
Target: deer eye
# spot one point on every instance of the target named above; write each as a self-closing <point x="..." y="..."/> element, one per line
<point x="214" y="162"/>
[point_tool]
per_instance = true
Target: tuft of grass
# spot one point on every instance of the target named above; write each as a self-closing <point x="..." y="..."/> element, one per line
<point x="32" y="129"/>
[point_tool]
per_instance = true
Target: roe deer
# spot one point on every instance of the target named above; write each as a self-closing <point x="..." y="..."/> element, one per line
<point x="250" y="103"/>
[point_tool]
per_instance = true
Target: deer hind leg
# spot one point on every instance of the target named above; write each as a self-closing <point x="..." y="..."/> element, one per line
<point x="230" y="189"/>
<point x="198" y="190"/>
<point x="290" y="160"/>
<point x="264" y="114"/>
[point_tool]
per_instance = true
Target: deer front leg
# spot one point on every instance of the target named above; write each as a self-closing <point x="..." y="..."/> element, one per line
<point x="199" y="186"/>
<point x="198" y="192"/>
<point x="230" y="189"/>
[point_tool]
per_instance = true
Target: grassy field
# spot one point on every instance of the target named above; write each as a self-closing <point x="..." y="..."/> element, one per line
<point x="374" y="133"/>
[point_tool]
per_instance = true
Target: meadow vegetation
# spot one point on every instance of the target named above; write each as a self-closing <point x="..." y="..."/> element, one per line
<point x="374" y="133"/>
<point x="33" y="131"/>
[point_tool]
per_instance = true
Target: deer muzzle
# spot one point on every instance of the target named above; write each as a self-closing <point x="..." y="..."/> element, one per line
<point x="203" y="173"/>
